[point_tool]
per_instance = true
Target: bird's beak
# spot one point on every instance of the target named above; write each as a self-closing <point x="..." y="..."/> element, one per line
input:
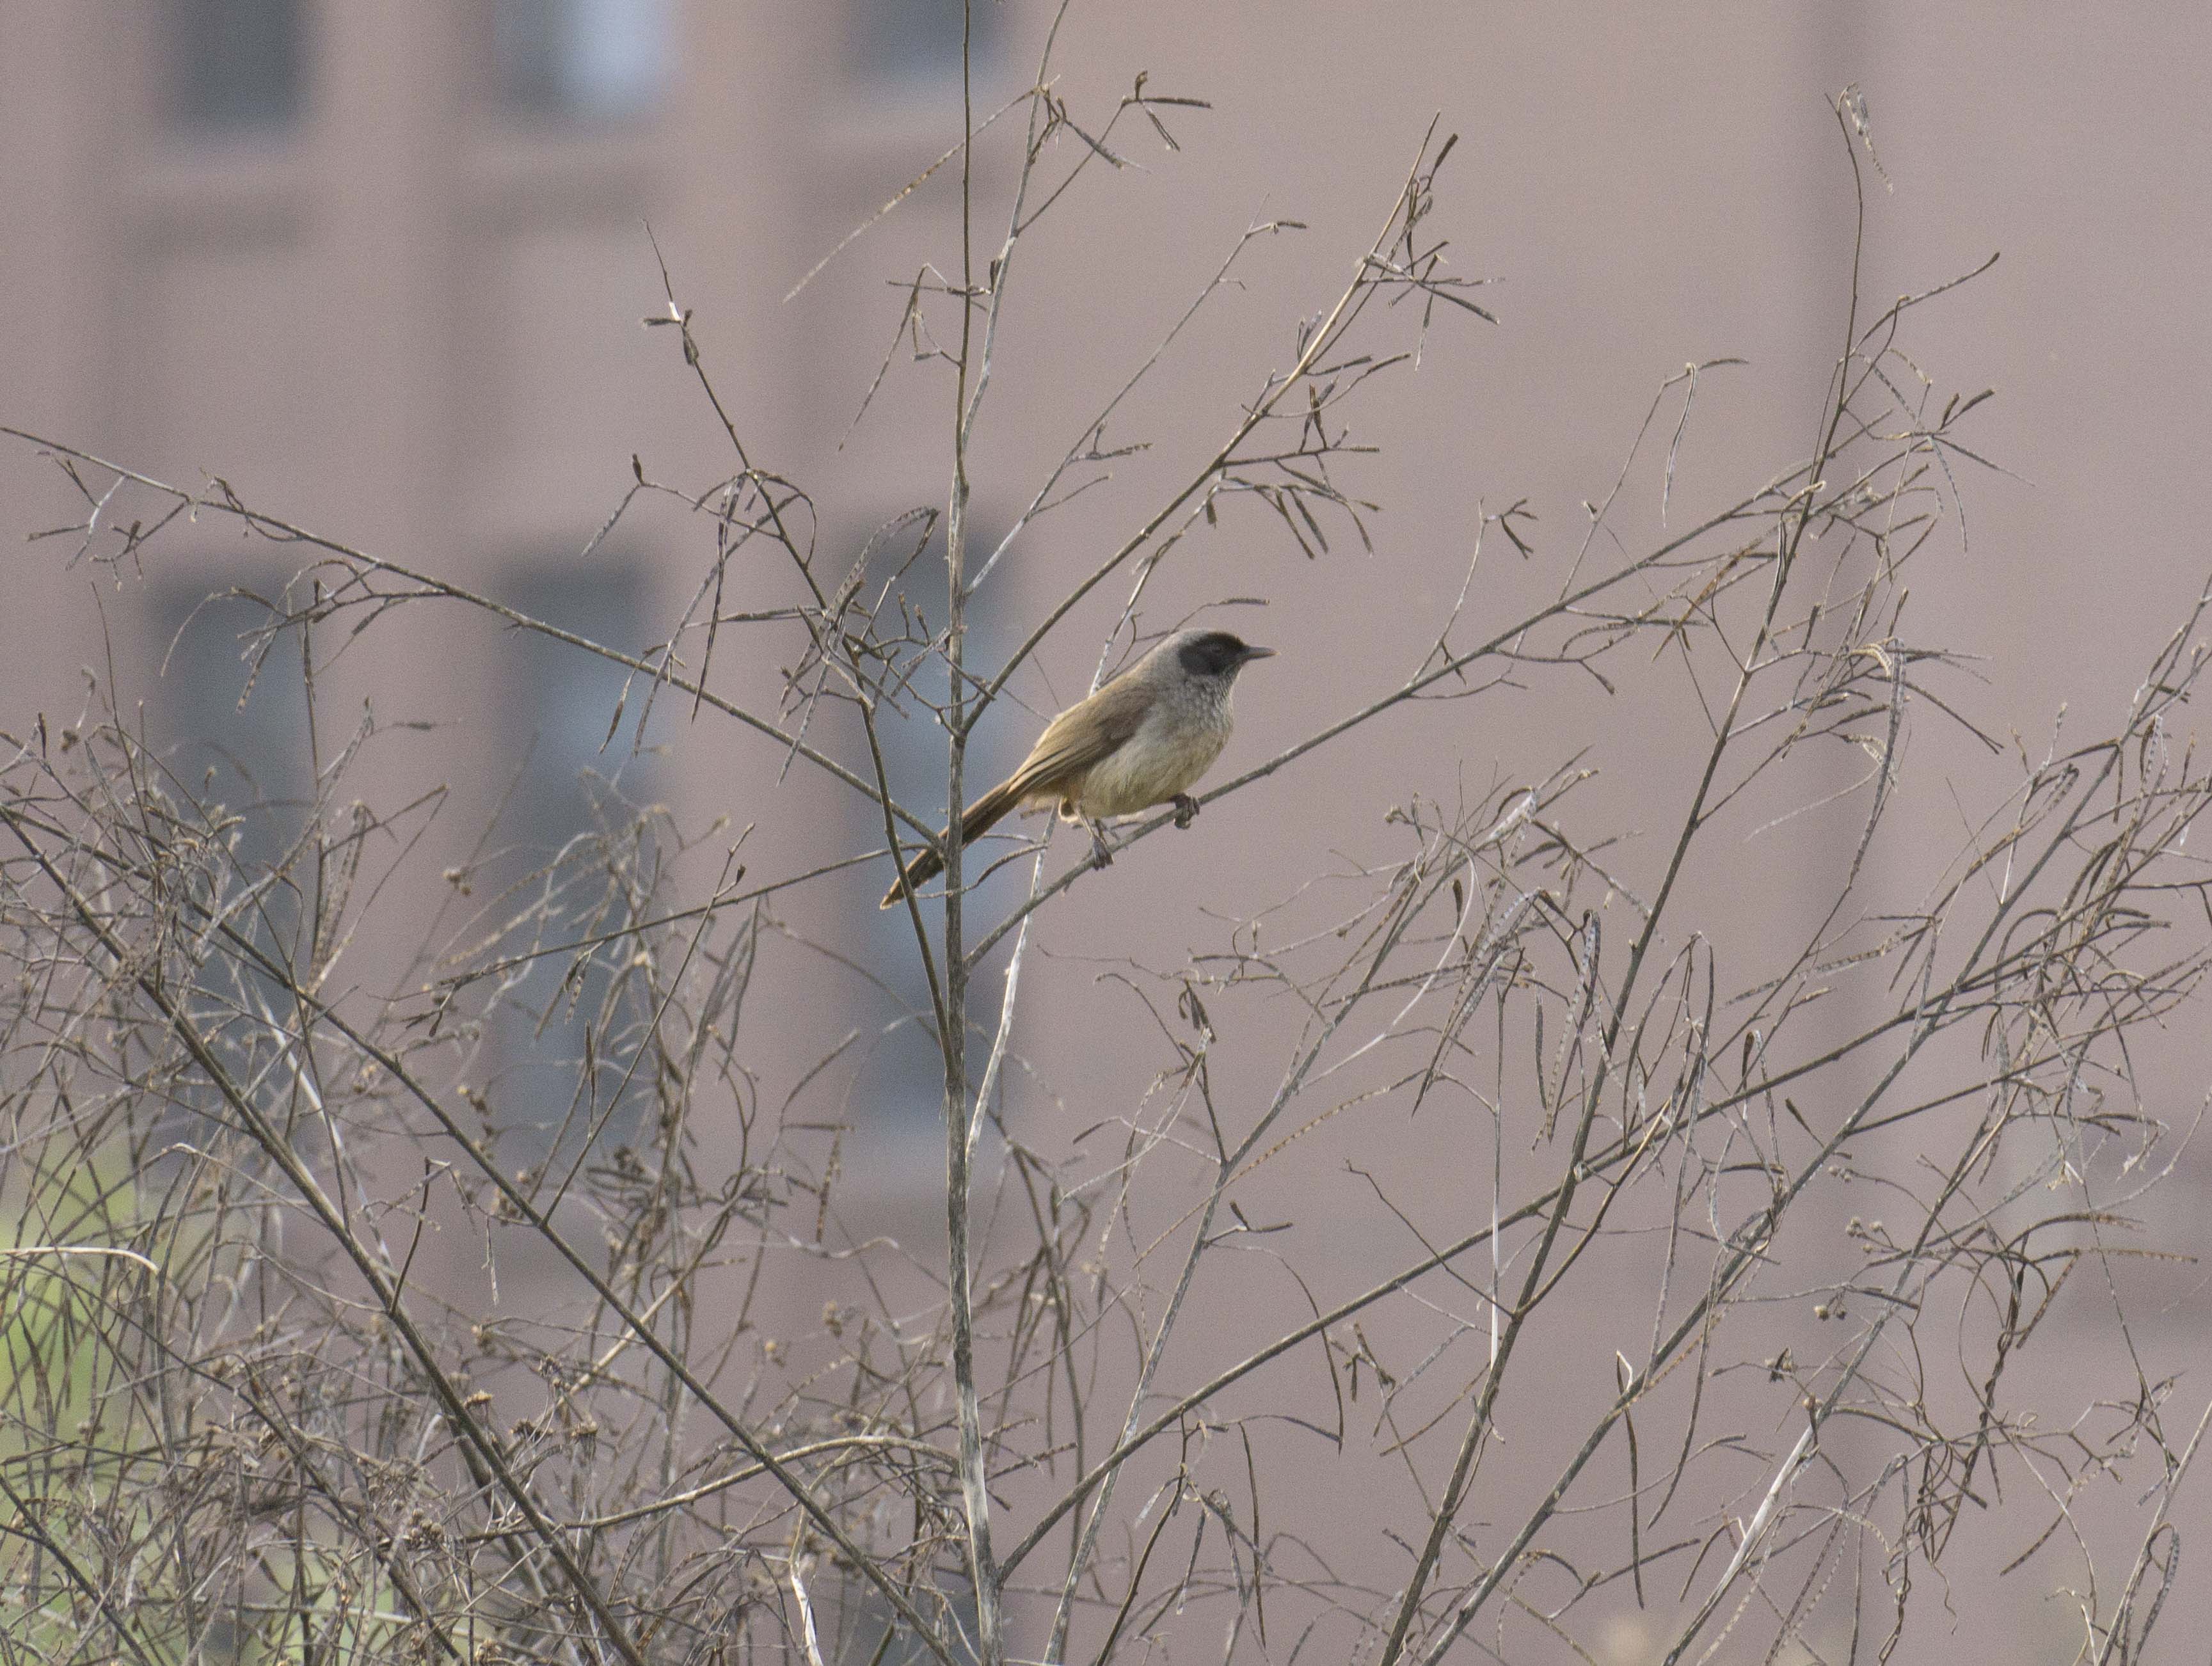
<point x="1251" y="652"/>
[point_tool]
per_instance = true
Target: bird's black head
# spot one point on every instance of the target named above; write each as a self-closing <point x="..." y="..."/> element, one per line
<point x="1217" y="654"/>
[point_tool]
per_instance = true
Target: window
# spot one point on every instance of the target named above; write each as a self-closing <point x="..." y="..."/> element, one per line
<point x="587" y="59"/>
<point x="232" y="736"/>
<point x="237" y="65"/>
<point x="566" y="698"/>
<point x="905" y="1080"/>
<point x="919" y="40"/>
<point x="569" y="815"/>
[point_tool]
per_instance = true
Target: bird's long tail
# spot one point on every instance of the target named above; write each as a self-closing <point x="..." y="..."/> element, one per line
<point x="979" y="819"/>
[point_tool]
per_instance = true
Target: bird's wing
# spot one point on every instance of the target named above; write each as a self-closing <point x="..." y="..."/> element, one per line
<point x="1087" y="731"/>
<point x="1084" y="733"/>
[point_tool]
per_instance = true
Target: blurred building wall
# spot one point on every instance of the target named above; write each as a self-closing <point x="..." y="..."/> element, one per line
<point x="382" y="269"/>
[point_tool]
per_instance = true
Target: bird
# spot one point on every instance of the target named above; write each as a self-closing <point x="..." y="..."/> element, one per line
<point x="1144" y="738"/>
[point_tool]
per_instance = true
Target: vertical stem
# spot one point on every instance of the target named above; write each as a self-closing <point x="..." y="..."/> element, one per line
<point x="952" y="1035"/>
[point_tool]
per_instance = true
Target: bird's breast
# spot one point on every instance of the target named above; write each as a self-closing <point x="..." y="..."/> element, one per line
<point x="1171" y="750"/>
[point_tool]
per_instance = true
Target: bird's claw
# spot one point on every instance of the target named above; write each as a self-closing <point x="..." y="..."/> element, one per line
<point x="1186" y="810"/>
<point x="1100" y="856"/>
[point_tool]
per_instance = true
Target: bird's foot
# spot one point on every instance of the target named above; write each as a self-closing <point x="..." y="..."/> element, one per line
<point x="1100" y="855"/>
<point x="1186" y="809"/>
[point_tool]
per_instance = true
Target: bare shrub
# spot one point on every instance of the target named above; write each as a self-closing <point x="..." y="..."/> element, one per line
<point x="258" y="1405"/>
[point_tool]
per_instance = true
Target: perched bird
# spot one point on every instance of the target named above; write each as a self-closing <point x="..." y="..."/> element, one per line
<point x="1143" y="740"/>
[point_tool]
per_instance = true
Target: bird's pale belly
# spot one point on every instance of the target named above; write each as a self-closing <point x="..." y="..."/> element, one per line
<point x="1149" y="769"/>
